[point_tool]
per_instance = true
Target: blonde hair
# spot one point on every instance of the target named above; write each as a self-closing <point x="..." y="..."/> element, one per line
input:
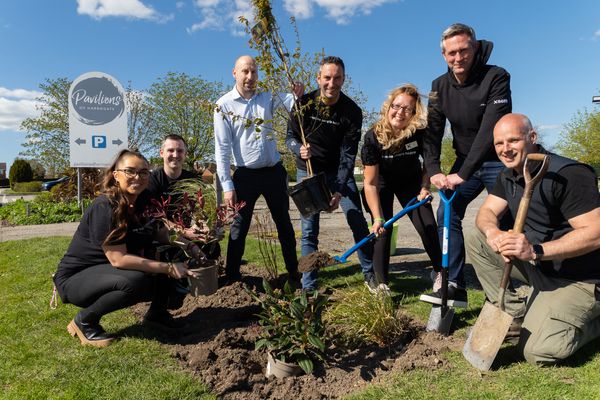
<point x="382" y="128"/>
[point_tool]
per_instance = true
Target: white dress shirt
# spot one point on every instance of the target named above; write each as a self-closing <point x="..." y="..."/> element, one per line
<point x="234" y="139"/>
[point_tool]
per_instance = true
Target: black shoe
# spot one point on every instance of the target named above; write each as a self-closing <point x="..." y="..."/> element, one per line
<point x="295" y="279"/>
<point x="162" y="319"/>
<point x="89" y="333"/>
<point x="226" y="281"/>
<point x="457" y="297"/>
<point x="177" y="294"/>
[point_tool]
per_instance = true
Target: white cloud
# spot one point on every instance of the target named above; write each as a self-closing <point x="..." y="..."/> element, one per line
<point x="224" y="14"/>
<point x="15" y="106"/>
<point x="207" y="3"/>
<point x="134" y="9"/>
<point x="221" y="15"/>
<point x="19" y="93"/>
<point x="547" y="127"/>
<point x="341" y="11"/>
<point x="301" y="9"/>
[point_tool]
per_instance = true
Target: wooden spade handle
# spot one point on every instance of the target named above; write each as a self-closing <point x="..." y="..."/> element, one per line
<point x="522" y="211"/>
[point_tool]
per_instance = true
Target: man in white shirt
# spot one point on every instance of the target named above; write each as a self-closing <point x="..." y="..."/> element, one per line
<point x="259" y="170"/>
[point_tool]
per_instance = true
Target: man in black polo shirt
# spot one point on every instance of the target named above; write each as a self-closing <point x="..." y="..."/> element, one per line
<point x="173" y="151"/>
<point x="558" y="253"/>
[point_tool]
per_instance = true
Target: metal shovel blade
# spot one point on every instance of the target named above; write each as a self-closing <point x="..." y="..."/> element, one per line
<point x="440" y="321"/>
<point x="486" y="336"/>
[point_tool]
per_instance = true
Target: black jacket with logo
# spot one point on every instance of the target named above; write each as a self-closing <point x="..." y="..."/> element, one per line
<point x="333" y="133"/>
<point x="472" y="108"/>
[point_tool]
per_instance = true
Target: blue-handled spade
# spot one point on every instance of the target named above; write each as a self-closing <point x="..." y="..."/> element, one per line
<point x="440" y="318"/>
<point x="308" y="263"/>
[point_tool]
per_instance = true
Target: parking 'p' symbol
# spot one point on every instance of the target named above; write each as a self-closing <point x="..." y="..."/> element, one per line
<point x="99" y="142"/>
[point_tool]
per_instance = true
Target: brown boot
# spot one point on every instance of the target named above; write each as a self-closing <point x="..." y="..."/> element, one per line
<point x="514" y="331"/>
<point x="89" y="333"/>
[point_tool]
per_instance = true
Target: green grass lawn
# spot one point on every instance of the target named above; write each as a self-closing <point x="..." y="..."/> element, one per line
<point x="41" y="361"/>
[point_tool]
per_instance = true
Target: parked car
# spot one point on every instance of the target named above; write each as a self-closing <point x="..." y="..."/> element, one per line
<point x="50" y="184"/>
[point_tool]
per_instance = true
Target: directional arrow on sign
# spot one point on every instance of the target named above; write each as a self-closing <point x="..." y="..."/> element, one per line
<point x="118" y="142"/>
<point x="80" y="141"/>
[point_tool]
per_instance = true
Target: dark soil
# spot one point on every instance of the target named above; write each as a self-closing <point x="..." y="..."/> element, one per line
<point x="217" y="346"/>
<point x="314" y="261"/>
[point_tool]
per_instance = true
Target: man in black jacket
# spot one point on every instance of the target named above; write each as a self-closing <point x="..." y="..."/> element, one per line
<point x="472" y="96"/>
<point x="332" y="127"/>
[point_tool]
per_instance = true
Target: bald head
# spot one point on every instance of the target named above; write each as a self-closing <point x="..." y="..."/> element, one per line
<point x="245" y="73"/>
<point x="514" y="138"/>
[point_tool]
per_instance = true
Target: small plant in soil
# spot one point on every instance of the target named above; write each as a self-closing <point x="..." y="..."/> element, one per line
<point x="195" y="216"/>
<point x="267" y="244"/>
<point x="292" y="328"/>
<point x="358" y="317"/>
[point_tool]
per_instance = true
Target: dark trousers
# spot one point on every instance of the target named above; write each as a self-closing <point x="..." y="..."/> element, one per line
<point x="271" y="183"/>
<point x="484" y="177"/>
<point x="422" y="219"/>
<point x="102" y="289"/>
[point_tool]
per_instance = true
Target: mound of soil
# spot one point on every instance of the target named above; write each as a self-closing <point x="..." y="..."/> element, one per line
<point x="217" y="346"/>
<point x="314" y="261"/>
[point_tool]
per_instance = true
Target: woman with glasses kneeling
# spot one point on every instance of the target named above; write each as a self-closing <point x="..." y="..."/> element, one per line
<point x="104" y="268"/>
<point x="390" y="155"/>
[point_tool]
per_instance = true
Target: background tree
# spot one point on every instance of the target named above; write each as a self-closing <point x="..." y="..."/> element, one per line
<point x="279" y="67"/>
<point x="580" y="138"/>
<point x="448" y="155"/>
<point x="20" y="171"/>
<point x="183" y="105"/>
<point x="47" y="138"/>
<point x="139" y="121"/>
<point x="39" y="172"/>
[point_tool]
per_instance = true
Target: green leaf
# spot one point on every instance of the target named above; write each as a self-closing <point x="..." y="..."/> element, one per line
<point x="315" y="341"/>
<point x="261" y="343"/>
<point x="306" y="364"/>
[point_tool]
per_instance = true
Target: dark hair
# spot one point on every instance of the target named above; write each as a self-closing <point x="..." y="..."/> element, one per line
<point x="333" y="60"/>
<point x="173" y="136"/>
<point x="110" y="188"/>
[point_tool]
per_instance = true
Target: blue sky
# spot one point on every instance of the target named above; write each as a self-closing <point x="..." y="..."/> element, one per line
<point x="551" y="48"/>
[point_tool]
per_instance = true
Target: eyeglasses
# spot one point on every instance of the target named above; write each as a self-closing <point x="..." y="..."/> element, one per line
<point x="132" y="173"/>
<point x="402" y="109"/>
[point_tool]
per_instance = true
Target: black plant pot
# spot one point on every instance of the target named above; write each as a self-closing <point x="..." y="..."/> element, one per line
<point x="312" y="195"/>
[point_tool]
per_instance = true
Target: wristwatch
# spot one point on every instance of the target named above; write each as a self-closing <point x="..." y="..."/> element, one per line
<point x="538" y="252"/>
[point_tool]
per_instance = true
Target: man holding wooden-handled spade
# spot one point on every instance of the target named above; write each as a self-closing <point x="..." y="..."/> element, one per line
<point x="557" y="254"/>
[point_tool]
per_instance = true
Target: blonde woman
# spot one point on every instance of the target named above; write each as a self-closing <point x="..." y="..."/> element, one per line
<point x="391" y="157"/>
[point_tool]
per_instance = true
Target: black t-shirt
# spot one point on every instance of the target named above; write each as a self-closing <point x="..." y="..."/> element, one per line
<point x="400" y="166"/>
<point x="161" y="186"/>
<point x="86" y="250"/>
<point x="569" y="189"/>
<point x="333" y="133"/>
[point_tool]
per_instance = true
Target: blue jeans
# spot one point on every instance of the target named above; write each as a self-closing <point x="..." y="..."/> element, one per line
<point x="351" y="207"/>
<point x="484" y="177"/>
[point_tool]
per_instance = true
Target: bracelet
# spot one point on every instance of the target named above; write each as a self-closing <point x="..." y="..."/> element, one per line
<point x="171" y="270"/>
<point x="379" y="220"/>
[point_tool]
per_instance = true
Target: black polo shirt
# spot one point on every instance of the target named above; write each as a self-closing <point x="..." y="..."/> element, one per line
<point x="568" y="189"/>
